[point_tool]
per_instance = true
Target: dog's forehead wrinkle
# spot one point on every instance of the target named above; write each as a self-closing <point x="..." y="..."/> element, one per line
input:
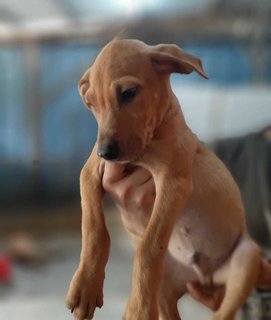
<point x="123" y="66"/>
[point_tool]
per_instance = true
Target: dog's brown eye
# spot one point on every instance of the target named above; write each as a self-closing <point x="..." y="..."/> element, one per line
<point x="128" y="95"/>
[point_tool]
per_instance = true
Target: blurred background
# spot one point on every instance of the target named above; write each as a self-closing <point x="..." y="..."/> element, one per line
<point x="46" y="134"/>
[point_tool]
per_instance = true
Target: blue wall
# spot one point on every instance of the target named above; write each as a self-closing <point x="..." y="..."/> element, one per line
<point x="67" y="129"/>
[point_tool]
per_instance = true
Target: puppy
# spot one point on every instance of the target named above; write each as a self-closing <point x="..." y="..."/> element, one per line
<point x="196" y="230"/>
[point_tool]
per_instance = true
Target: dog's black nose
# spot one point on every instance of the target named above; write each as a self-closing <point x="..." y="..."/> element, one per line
<point x="109" y="151"/>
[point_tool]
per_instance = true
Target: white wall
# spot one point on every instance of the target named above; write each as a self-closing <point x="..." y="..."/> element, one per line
<point x="218" y="112"/>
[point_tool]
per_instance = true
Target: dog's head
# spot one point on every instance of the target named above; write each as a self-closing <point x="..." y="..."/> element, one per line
<point x="128" y="90"/>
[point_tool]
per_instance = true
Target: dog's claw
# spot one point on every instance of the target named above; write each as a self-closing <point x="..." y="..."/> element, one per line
<point x="72" y="310"/>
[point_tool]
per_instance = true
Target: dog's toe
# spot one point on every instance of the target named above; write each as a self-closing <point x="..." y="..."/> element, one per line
<point x="81" y="312"/>
<point x="81" y="309"/>
<point x="72" y="300"/>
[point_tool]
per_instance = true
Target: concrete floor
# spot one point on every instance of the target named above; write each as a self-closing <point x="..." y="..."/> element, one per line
<point x="38" y="292"/>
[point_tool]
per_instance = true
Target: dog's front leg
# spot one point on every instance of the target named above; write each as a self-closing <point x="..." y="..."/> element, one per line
<point x="86" y="289"/>
<point x="172" y="192"/>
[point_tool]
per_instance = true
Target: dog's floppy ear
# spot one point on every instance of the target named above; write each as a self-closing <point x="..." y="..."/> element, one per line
<point x="83" y="87"/>
<point x="169" y="58"/>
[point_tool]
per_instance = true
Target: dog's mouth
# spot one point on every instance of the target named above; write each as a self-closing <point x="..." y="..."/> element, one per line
<point x="129" y="157"/>
<point x="123" y="161"/>
<point x="121" y="152"/>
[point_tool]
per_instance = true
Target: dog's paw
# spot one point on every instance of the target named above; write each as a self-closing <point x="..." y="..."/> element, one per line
<point x="85" y="294"/>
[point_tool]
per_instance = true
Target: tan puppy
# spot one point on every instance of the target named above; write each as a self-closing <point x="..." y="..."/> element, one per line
<point x="196" y="228"/>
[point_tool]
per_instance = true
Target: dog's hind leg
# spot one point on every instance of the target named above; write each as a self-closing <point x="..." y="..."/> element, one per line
<point x="168" y="308"/>
<point x="240" y="278"/>
<point x="172" y="289"/>
<point x="168" y="302"/>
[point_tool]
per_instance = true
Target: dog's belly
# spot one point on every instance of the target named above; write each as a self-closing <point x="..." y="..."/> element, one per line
<point x="198" y="239"/>
<point x="204" y="235"/>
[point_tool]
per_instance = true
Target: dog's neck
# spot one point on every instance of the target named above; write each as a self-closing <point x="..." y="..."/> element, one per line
<point x="173" y="120"/>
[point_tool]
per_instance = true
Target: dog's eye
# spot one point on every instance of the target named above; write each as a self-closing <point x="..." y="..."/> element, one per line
<point x="128" y="95"/>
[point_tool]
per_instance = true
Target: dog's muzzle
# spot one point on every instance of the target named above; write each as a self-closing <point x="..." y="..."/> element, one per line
<point x="109" y="151"/>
